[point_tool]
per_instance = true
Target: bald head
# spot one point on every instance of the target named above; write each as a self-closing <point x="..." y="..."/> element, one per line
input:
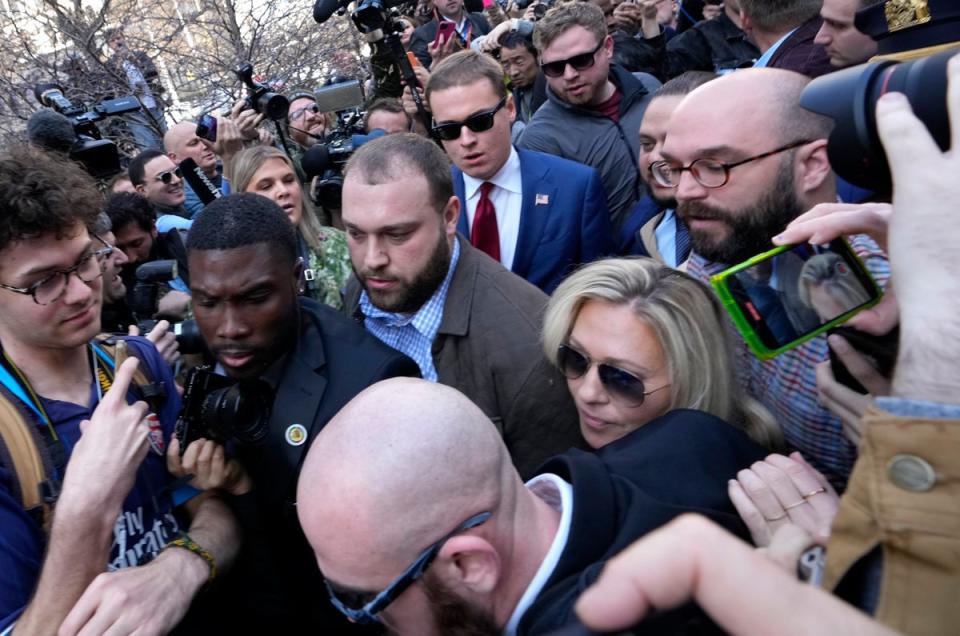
<point x="757" y="102"/>
<point x="181" y="141"/>
<point x="402" y="464"/>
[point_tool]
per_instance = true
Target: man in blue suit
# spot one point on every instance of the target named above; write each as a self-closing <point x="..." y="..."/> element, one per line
<point x="538" y="215"/>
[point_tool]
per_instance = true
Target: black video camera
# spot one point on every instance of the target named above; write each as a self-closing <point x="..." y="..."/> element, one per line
<point x="142" y="299"/>
<point x="99" y="156"/>
<point x="222" y="409"/>
<point x="850" y="97"/>
<point x="327" y="158"/>
<point x="262" y="99"/>
<point x="187" y="333"/>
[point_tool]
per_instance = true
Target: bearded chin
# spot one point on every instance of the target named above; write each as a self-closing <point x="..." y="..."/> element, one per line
<point x="750" y="230"/>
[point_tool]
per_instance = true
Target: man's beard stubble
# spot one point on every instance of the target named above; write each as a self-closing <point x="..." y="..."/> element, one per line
<point x="752" y="227"/>
<point x="421" y="288"/>
<point x="454" y="616"/>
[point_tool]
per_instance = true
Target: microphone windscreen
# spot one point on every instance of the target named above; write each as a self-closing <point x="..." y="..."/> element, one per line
<point x="315" y="161"/>
<point x="323" y="9"/>
<point x="49" y="130"/>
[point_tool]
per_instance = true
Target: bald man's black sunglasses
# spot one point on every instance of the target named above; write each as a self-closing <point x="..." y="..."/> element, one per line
<point x="355" y="606"/>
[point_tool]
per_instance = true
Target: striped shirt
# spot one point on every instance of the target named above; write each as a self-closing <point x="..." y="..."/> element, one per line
<point x="412" y="334"/>
<point x="787" y="384"/>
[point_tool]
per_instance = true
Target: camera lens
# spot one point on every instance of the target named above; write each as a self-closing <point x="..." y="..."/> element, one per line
<point x="850" y="97"/>
<point x="241" y="411"/>
<point x="189" y="338"/>
<point x="274" y="106"/>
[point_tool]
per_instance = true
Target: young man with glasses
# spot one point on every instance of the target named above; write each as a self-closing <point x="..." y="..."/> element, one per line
<point x="441" y="536"/>
<point x="538" y="215"/>
<point x="465" y="319"/>
<point x="106" y="470"/>
<point x="594" y="108"/>
<point x="740" y="175"/>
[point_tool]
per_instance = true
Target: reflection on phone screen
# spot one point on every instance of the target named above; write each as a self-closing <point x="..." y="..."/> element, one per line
<point x="795" y="292"/>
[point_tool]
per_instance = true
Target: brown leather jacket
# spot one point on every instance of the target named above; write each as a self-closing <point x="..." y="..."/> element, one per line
<point x="488" y="348"/>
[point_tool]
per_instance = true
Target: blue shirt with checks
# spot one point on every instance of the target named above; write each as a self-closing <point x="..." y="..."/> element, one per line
<point x="412" y="334"/>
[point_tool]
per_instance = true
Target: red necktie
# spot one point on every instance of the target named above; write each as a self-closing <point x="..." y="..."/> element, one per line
<point x="484" y="234"/>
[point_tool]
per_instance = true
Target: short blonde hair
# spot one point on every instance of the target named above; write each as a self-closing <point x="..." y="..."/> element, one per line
<point x="689" y="323"/>
<point x="245" y="165"/>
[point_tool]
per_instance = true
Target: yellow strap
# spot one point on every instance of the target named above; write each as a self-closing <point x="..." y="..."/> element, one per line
<point x="27" y="462"/>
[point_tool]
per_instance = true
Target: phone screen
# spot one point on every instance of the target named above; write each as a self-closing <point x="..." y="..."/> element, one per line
<point x="207" y="127"/>
<point x="793" y="293"/>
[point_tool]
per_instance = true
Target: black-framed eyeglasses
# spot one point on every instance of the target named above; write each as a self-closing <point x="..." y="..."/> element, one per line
<point x="622" y="386"/>
<point x="49" y="290"/>
<point x="167" y="175"/>
<point x="312" y="108"/>
<point x="448" y="131"/>
<point x="708" y="172"/>
<point x="580" y="62"/>
<point x="348" y="602"/>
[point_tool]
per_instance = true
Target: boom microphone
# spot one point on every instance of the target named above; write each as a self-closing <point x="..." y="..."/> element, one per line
<point x="315" y="161"/>
<point x="323" y="9"/>
<point x="49" y="130"/>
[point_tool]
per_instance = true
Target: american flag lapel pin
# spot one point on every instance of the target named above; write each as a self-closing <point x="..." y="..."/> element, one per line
<point x="542" y="199"/>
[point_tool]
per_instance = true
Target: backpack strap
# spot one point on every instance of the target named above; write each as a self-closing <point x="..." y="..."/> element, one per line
<point x="24" y="452"/>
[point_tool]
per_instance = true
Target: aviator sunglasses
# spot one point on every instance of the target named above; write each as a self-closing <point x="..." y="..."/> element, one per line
<point x="477" y="123"/>
<point x="622" y="385"/>
<point x="167" y="177"/>
<point x="579" y="62"/>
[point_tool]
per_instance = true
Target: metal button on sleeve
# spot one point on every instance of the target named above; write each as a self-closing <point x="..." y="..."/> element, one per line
<point x="911" y="473"/>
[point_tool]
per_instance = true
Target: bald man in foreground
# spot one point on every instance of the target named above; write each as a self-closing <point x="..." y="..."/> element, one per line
<point x="419" y="520"/>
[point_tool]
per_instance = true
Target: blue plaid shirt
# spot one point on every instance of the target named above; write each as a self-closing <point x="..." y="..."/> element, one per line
<point x="787" y="384"/>
<point x="412" y="334"/>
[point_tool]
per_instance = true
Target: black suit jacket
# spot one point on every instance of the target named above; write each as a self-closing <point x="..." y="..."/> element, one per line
<point x="678" y="463"/>
<point x="801" y="54"/>
<point x="333" y="360"/>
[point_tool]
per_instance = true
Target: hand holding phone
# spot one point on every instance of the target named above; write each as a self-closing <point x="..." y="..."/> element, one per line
<point x="782" y="298"/>
<point x="207" y="127"/>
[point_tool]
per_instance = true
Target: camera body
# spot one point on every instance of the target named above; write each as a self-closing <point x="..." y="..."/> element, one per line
<point x="100" y="157"/>
<point x="187" y="333"/>
<point x="327" y="158"/>
<point x="261" y="97"/>
<point x="223" y="409"/>
<point x="143" y="297"/>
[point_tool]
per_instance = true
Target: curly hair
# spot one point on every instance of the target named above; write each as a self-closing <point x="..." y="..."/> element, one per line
<point x="41" y="193"/>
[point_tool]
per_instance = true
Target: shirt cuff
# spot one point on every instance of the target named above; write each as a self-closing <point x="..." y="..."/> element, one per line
<point x="904" y="407"/>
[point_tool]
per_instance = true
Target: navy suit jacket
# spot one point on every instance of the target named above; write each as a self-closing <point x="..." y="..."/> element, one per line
<point x="564" y="220"/>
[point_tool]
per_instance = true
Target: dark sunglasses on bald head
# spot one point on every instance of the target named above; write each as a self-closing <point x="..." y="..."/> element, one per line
<point x="480" y="122"/>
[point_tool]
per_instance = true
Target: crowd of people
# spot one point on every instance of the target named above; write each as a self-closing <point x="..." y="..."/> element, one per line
<point x="487" y="382"/>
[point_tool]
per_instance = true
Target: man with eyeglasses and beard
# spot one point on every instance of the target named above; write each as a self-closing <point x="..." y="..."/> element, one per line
<point x="440" y="537"/>
<point x="465" y="319"/>
<point x="115" y="557"/>
<point x="594" y="107"/>
<point x="740" y="175"/>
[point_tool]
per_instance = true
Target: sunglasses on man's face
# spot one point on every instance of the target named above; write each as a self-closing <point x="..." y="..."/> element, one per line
<point x="480" y="122"/>
<point x="167" y="176"/>
<point x="622" y="386"/>
<point x="580" y="62"/>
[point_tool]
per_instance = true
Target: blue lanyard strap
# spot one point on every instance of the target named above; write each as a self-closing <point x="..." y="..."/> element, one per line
<point x="13" y="385"/>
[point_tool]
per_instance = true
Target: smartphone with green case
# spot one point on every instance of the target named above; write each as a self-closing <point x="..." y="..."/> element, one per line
<point x="783" y="298"/>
